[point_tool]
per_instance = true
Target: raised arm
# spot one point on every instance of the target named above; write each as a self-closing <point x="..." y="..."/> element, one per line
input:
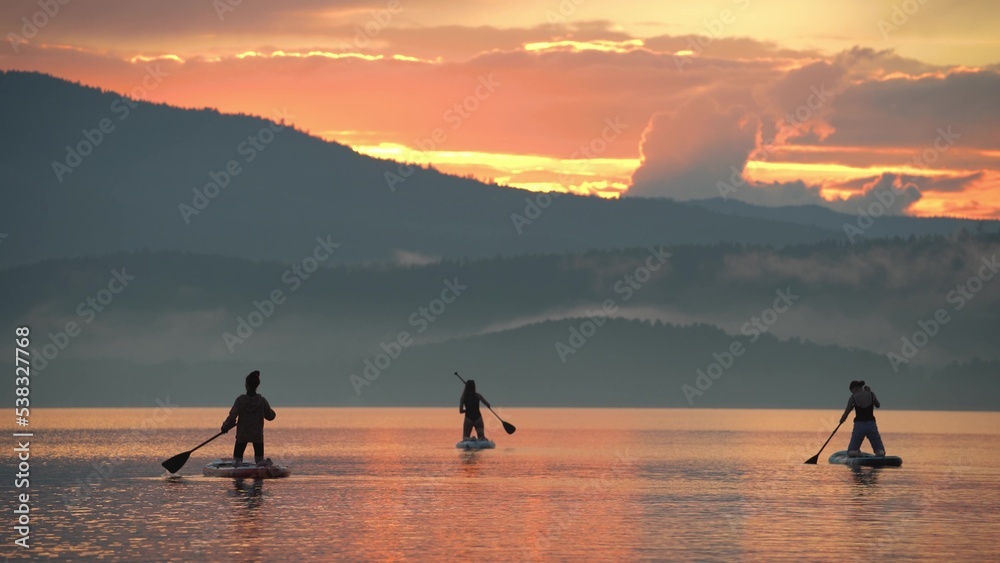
<point x="847" y="411"/>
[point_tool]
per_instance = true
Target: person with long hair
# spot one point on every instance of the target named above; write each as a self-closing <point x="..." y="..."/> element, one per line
<point x="469" y="404"/>
<point x="864" y="403"/>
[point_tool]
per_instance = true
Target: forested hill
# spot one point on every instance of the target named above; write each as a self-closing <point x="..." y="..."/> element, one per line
<point x="93" y="173"/>
<point x="818" y="315"/>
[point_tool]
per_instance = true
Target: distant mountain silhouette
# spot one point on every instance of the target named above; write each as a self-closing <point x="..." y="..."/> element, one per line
<point x="639" y="364"/>
<point x="72" y="189"/>
<point x="824" y="218"/>
<point x="164" y="333"/>
<point x="626" y="364"/>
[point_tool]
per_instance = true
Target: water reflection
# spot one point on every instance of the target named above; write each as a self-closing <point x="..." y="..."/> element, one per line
<point x="250" y="491"/>
<point x="245" y="521"/>
<point x="865" y="476"/>
<point x="657" y="485"/>
<point x="471" y="463"/>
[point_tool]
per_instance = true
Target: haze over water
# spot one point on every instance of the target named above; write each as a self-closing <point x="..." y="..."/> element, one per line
<point x="611" y="484"/>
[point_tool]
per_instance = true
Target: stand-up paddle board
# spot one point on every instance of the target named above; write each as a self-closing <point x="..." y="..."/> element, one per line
<point x="866" y="459"/>
<point x="220" y="468"/>
<point x="474" y="444"/>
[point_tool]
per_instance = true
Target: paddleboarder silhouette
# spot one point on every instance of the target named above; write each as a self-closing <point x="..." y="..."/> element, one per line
<point x="469" y="404"/>
<point x="864" y="403"/>
<point x="248" y="415"/>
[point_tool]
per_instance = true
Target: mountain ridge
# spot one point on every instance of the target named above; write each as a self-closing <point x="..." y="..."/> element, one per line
<point x="514" y="319"/>
<point x="147" y="170"/>
<point x="853" y="227"/>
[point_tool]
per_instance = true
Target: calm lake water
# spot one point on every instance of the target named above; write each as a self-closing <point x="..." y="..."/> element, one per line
<point x="570" y="484"/>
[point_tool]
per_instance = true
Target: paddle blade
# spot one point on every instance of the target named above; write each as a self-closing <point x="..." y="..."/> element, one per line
<point x="509" y="427"/>
<point x="812" y="460"/>
<point x="174" y="464"/>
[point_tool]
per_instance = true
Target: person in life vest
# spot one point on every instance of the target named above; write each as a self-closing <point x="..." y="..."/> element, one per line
<point x="248" y="415"/>
<point x="864" y="403"/>
<point x="469" y="404"/>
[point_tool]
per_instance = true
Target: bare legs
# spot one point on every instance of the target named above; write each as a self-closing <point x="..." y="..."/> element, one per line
<point x="469" y="424"/>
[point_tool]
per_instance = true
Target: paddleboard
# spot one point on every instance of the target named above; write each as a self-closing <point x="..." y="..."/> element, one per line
<point x="474" y="444"/>
<point x="220" y="468"/>
<point x="866" y="460"/>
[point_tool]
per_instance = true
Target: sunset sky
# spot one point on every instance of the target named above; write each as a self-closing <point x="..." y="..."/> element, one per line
<point x="771" y="102"/>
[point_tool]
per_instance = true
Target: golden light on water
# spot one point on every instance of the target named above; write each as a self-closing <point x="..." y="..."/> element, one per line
<point x="384" y="483"/>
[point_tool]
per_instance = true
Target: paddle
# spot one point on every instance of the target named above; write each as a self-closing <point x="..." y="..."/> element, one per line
<point x="175" y="463"/>
<point x="510" y="428"/>
<point x="812" y="460"/>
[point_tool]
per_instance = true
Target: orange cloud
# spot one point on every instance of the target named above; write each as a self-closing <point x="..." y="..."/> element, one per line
<point x="807" y="124"/>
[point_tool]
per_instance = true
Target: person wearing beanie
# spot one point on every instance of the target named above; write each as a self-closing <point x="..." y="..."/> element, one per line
<point x="864" y="403"/>
<point x="248" y="415"/>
